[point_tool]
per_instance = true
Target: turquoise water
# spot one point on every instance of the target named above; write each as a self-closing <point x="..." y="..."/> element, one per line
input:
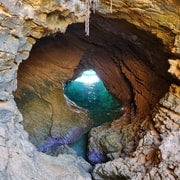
<point x="89" y="92"/>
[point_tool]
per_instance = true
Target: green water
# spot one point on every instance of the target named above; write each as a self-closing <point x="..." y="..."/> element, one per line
<point x="89" y="92"/>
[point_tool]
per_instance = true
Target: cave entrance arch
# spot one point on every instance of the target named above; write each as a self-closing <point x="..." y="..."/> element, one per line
<point x="48" y="119"/>
<point x="125" y="70"/>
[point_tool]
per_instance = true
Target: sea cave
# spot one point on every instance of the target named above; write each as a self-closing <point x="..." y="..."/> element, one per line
<point x="61" y="97"/>
<point x="93" y="100"/>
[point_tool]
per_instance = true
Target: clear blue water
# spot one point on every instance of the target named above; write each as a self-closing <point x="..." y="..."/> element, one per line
<point x="89" y="92"/>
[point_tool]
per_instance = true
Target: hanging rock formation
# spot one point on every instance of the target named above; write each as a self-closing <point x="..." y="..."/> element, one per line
<point x="144" y="35"/>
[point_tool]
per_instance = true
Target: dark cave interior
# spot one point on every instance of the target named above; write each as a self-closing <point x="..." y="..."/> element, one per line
<point x="132" y="64"/>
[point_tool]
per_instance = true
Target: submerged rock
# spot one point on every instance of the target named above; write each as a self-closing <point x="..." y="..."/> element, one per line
<point x="95" y="156"/>
<point x="73" y="135"/>
<point x="56" y="150"/>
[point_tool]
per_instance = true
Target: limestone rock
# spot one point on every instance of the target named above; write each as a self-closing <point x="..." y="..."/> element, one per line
<point x="103" y="144"/>
<point x="63" y="149"/>
<point x="175" y="67"/>
<point x="156" y="153"/>
<point x="161" y="18"/>
<point x="47" y="167"/>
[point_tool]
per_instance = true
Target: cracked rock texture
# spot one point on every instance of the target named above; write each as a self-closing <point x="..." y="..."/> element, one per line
<point x="157" y="154"/>
<point x="153" y="127"/>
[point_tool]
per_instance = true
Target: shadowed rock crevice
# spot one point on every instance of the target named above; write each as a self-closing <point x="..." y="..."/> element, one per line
<point x="133" y="66"/>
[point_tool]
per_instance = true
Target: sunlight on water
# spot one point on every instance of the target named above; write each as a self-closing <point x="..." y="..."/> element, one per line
<point x="88" y="77"/>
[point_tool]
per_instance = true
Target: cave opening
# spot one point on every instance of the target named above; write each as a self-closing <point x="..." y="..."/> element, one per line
<point x="88" y="91"/>
<point x="114" y="51"/>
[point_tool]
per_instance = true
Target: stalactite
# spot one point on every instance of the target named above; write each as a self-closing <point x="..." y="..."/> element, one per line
<point x="87" y="17"/>
<point x="89" y="4"/>
<point x="92" y="4"/>
<point x="111" y="6"/>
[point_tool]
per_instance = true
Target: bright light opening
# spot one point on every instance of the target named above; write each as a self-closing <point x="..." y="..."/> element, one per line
<point x="88" y="77"/>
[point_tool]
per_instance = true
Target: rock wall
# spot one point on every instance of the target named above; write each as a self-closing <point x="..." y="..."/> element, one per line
<point x="21" y="23"/>
<point x="40" y="96"/>
<point x="24" y="21"/>
<point x="156" y="156"/>
<point x="159" y="17"/>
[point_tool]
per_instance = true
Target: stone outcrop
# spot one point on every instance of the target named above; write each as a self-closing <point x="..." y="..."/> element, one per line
<point x="19" y="159"/>
<point x="160" y="18"/>
<point x="144" y="45"/>
<point x="156" y="156"/>
<point x="175" y="67"/>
